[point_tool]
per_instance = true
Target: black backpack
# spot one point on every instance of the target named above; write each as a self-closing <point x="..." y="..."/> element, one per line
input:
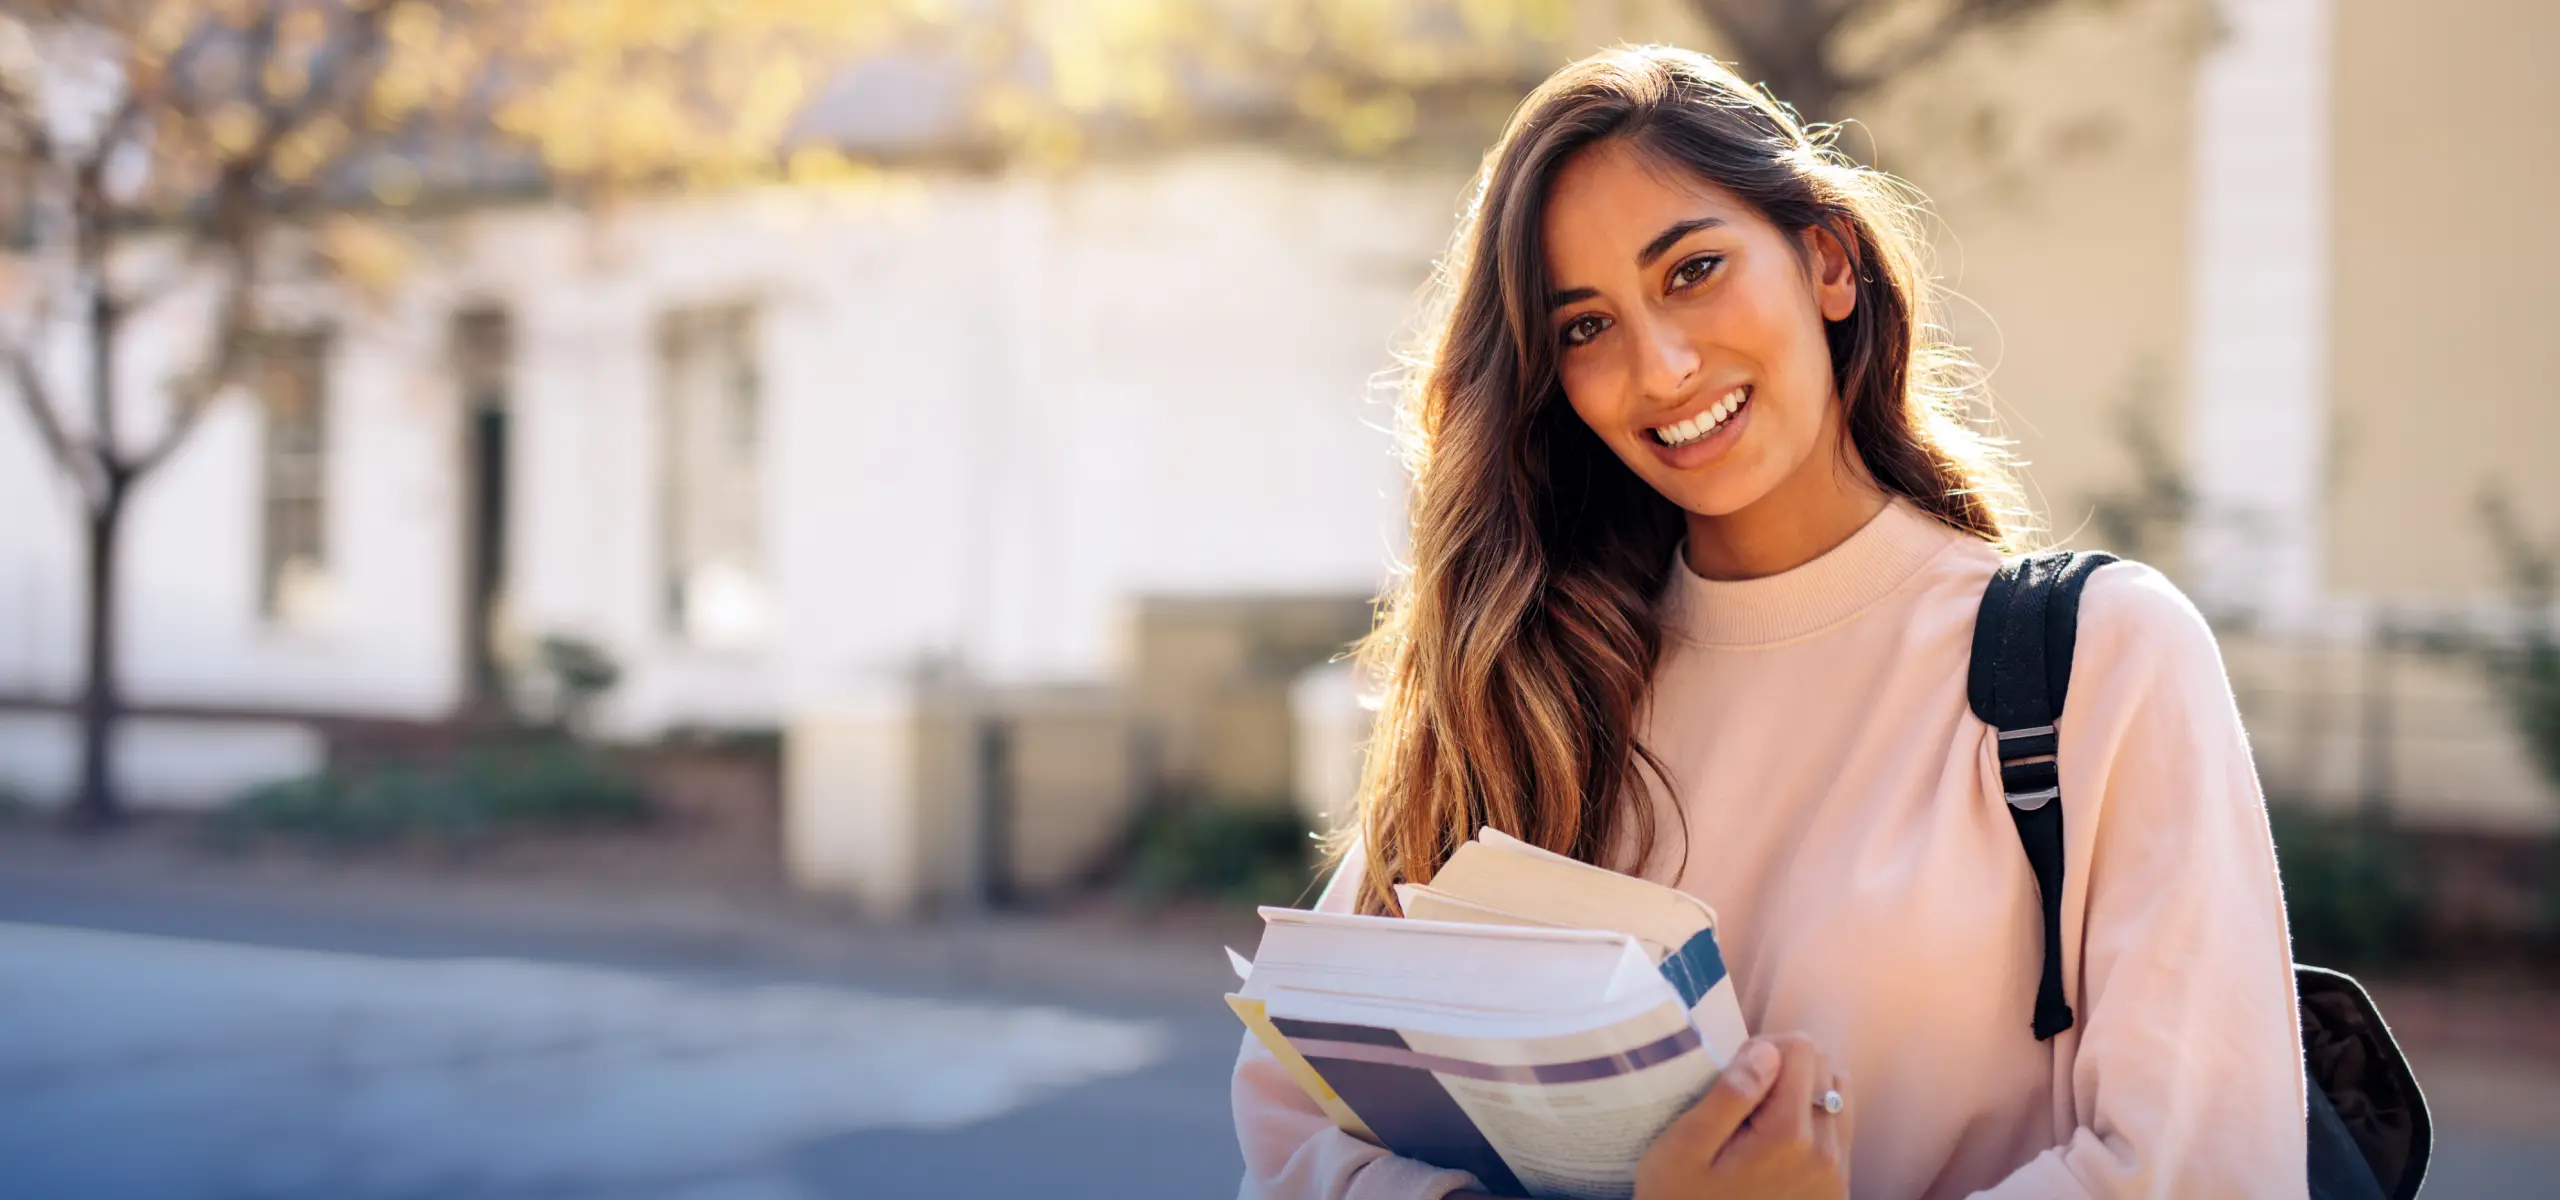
<point x="2369" y="1136"/>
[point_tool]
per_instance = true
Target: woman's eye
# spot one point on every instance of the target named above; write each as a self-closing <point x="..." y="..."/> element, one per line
<point x="1582" y="329"/>
<point x="1695" y="269"/>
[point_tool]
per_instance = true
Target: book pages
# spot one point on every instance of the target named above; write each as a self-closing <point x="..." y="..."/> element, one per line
<point x="1533" y="1020"/>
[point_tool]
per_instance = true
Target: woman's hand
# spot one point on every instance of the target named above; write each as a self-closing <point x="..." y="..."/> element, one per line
<point x="1756" y="1133"/>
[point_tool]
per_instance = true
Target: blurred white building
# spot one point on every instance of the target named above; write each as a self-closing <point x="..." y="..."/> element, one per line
<point x="763" y="449"/>
<point x="770" y="449"/>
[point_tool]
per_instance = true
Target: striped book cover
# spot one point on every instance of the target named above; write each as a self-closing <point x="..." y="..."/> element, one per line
<point x="1406" y="1034"/>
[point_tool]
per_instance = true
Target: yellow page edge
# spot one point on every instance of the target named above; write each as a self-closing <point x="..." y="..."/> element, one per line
<point x="1257" y="1017"/>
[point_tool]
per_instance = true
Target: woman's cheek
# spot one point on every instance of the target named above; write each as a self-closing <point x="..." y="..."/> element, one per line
<point x="1588" y="388"/>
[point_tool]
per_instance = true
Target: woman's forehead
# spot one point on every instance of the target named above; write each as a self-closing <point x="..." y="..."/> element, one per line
<point x="1611" y="201"/>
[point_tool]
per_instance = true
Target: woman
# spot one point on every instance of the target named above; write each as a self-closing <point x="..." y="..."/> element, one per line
<point x="1698" y="537"/>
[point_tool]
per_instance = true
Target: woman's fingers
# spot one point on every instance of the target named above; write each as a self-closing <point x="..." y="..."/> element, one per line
<point x="1787" y="1114"/>
<point x="1680" y="1158"/>
<point x="1710" y="1123"/>
<point x="1756" y="1132"/>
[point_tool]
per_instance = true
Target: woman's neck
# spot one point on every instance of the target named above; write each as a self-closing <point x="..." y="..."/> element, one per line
<point x="1813" y="509"/>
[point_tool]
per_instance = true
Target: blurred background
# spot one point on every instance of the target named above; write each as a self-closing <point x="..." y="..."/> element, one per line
<point x="730" y="598"/>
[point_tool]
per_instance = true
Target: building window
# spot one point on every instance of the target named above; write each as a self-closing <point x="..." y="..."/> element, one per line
<point x="715" y="568"/>
<point x="291" y="376"/>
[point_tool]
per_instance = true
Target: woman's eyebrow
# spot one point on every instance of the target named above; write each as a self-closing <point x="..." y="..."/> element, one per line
<point x="1665" y="240"/>
<point x="1660" y="245"/>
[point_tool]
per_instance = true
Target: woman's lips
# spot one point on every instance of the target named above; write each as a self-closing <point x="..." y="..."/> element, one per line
<point x="1707" y="434"/>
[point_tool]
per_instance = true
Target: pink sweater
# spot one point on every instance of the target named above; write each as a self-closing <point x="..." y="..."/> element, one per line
<point x="1844" y="818"/>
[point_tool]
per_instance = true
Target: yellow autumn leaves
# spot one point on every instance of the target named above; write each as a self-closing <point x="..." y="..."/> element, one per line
<point x="614" y="94"/>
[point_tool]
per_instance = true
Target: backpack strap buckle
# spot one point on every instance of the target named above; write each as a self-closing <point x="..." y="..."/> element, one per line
<point x="2022" y="642"/>
<point x="2028" y="777"/>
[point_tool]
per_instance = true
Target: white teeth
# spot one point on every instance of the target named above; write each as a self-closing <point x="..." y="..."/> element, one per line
<point x="1704" y="423"/>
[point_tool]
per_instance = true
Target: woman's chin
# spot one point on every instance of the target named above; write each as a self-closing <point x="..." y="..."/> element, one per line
<point x="1717" y="492"/>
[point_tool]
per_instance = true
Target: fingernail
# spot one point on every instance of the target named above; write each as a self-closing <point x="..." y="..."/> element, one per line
<point x="1753" y="1066"/>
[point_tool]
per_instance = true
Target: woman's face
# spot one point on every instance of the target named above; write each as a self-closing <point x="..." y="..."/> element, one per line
<point x="1689" y="332"/>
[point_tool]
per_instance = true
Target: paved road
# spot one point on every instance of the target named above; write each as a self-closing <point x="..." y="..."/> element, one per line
<point x="265" y="1071"/>
<point x="354" y="1039"/>
<point x="175" y="1030"/>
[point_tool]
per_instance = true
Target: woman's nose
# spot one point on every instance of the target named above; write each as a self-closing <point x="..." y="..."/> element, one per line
<point x="1668" y="359"/>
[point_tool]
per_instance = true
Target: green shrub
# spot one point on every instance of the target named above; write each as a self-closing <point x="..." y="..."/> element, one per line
<point x="2354" y="889"/>
<point x="2526" y="670"/>
<point x="577" y="674"/>
<point x="1225" y="853"/>
<point x="537" y="783"/>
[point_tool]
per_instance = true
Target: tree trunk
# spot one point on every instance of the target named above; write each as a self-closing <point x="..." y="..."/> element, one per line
<point x="101" y="705"/>
<point x="1782" y="46"/>
<point x="1812" y="93"/>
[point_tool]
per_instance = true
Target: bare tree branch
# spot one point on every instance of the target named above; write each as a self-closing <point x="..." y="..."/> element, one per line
<point x="177" y="76"/>
<point x="37" y="399"/>
<point x="230" y="335"/>
<point x="24" y="107"/>
<point x="112" y="133"/>
<point x="239" y="218"/>
<point x="35" y="139"/>
<point x="162" y="284"/>
<point x="192" y="395"/>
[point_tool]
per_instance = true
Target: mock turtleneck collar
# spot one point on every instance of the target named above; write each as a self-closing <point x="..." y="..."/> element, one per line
<point x="1838" y="584"/>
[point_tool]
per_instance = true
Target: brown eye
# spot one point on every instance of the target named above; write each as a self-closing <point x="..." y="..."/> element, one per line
<point x="1695" y="270"/>
<point x="1583" y="328"/>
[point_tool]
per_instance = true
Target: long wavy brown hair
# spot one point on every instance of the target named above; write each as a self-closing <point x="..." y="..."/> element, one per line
<point x="1516" y="648"/>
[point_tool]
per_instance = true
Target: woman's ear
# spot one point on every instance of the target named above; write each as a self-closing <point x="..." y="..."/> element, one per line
<point x="1835" y="273"/>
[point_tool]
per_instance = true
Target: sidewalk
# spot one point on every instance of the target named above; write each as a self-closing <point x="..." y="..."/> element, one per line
<point x="158" y="882"/>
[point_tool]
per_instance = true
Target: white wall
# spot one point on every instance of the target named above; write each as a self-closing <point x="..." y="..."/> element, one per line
<point x="1197" y="415"/>
<point x="2258" y="421"/>
<point x="995" y="410"/>
<point x="190" y="621"/>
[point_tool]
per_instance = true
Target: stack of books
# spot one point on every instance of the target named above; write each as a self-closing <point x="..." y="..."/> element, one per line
<point x="1530" y="1019"/>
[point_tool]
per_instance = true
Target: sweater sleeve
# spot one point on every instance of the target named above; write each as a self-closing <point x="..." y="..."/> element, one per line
<point x="1292" y="1151"/>
<point x="2183" y="1074"/>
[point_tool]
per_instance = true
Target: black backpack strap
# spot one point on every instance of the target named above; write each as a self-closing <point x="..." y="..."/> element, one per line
<point x="2022" y="640"/>
<point x="2375" y="1145"/>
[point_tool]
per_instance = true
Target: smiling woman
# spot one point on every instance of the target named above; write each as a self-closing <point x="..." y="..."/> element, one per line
<point x="1652" y="242"/>
<point x="1687" y="339"/>
<point x="1699" y="534"/>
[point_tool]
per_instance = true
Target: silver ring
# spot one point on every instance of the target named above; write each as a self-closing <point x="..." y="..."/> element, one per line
<point x="1830" y="1102"/>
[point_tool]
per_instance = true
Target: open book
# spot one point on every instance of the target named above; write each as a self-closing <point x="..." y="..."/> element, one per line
<point x="1531" y="1019"/>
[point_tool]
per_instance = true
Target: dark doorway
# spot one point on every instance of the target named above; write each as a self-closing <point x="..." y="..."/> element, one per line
<point x="483" y="344"/>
